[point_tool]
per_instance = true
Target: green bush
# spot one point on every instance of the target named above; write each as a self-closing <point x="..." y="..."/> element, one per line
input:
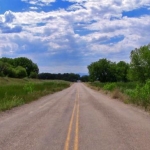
<point x="12" y="72"/>
<point x="110" y="86"/>
<point x="21" y="72"/>
<point x="137" y="93"/>
<point x="141" y="94"/>
<point x="33" y="75"/>
<point x="29" y="87"/>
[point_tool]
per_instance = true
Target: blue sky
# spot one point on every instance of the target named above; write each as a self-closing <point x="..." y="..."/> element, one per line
<point x="67" y="35"/>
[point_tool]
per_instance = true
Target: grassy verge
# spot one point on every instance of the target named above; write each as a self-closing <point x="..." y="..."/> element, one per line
<point x="16" y="92"/>
<point x="131" y="92"/>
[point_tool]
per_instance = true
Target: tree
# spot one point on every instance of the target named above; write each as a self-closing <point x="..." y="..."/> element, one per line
<point x="84" y="78"/>
<point x="7" y="60"/>
<point x="2" y="68"/>
<point x="27" y="64"/>
<point x="33" y="75"/>
<point x="11" y="72"/>
<point x="21" y="72"/>
<point x="66" y="76"/>
<point x="7" y="69"/>
<point x="102" y="70"/>
<point x="8" y="66"/>
<point x="140" y="64"/>
<point x="93" y="71"/>
<point x="122" y="71"/>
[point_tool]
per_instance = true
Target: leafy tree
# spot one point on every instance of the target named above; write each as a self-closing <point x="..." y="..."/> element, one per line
<point x="33" y="75"/>
<point x="2" y="68"/>
<point x="84" y="78"/>
<point x="103" y="70"/>
<point x="11" y="72"/>
<point x="66" y="76"/>
<point x="122" y="71"/>
<point x="21" y="72"/>
<point x="93" y="71"/>
<point x="140" y="64"/>
<point x="7" y="60"/>
<point x="27" y="64"/>
<point x="7" y="69"/>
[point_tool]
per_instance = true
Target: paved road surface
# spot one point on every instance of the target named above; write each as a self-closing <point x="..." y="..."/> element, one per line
<point x="76" y="118"/>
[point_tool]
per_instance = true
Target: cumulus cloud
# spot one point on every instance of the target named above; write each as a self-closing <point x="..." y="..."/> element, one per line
<point x="33" y="8"/>
<point x="9" y="17"/>
<point x="8" y="29"/>
<point x="39" y="2"/>
<point x="84" y="32"/>
<point x="6" y="23"/>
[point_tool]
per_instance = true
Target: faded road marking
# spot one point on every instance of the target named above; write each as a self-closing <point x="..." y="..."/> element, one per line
<point x="76" y="141"/>
<point x="70" y="128"/>
<point x="75" y="112"/>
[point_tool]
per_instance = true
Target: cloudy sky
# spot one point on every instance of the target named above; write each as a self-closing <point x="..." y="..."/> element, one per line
<point x="67" y="35"/>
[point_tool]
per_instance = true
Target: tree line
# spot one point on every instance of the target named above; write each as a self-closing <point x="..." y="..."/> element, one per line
<point x="138" y="69"/>
<point x="102" y="70"/>
<point x="66" y="76"/>
<point x="18" y="67"/>
<point x="22" y="67"/>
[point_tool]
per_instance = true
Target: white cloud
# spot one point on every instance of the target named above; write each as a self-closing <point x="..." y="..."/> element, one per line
<point x="9" y="17"/>
<point x="39" y="2"/>
<point x="6" y="23"/>
<point x="83" y="31"/>
<point x="34" y="8"/>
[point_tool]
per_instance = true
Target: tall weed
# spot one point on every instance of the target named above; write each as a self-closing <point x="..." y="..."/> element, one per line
<point x="17" y="92"/>
<point x="28" y="87"/>
<point x="110" y="86"/>
<point x="140" y="95"/>
<point x="136" y="93"/>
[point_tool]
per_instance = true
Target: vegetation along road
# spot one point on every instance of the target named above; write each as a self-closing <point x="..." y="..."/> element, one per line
<point x="76" y="118"/>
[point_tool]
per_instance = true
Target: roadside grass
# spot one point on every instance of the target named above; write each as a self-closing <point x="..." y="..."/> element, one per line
<point x="16" y="92"/>
<point x="129" y="92"/>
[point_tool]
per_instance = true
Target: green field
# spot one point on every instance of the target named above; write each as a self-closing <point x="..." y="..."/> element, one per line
<point x="16" y="92"/>
<point x="129" y="92"/>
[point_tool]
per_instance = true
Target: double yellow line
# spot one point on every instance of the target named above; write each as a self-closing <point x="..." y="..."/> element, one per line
<point x="75" y="112"/>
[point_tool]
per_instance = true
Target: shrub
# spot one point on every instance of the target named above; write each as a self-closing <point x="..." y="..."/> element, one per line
<point x="141" y="94"/>
<point x="33" y="75"/>
<point x="117" y="94"/>
<point x="109" y="86"/>
<point x="29" y="87"/>
<point x="21" y="72"/>
<point x="12" y="73"/>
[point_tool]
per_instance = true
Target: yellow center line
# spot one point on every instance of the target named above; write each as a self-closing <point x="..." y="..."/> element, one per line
<point x="74" y="112"/>
<point x="76" y="141"/>
<point x="69" y="130"/>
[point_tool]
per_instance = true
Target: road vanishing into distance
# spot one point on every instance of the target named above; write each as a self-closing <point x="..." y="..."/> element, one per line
<point x="76" y="118"/>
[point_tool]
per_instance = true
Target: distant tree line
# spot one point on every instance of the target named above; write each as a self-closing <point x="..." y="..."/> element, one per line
<point x="84" y="78"/>
<point x="18" y="67"/>
<point x="102" y="70"/>
<point x="22" y="67"/>
<point x="66" y="76"/>
<point x="138" y="69"/>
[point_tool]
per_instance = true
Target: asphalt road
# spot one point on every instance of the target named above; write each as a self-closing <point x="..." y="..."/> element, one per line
<point x="76" y="118"/>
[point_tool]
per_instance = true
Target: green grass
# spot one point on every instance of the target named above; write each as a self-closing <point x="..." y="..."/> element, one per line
<point x="121" y="85"/>
<point x="16" y="92"/>
<point x="130" y="92"/>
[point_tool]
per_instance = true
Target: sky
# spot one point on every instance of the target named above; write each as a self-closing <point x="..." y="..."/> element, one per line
<point x="65" y="36"/>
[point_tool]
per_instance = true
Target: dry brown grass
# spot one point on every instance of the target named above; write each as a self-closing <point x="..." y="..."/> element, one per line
<point x="117" y="94"/>
<point x="93" y="87"/>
